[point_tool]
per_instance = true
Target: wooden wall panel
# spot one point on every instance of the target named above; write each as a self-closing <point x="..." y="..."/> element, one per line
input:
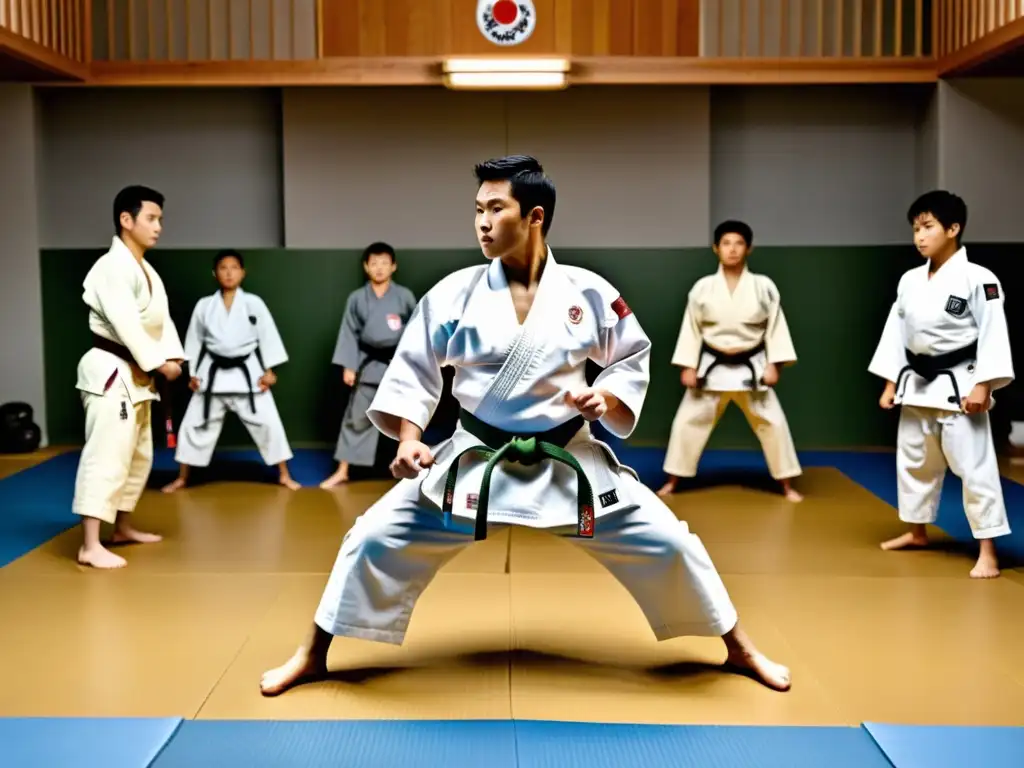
<point x="567" y="27"/>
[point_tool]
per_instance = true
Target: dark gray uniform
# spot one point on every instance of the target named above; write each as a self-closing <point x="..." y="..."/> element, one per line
<point x="369" y="334"/>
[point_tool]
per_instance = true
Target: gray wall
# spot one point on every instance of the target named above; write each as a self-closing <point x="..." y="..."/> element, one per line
<point x="21" y="317"/>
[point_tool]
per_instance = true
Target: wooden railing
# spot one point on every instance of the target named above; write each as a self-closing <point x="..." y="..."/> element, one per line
<point x="968" y="21"/>
<point x="836" y="29"/>
<point x="149" y="31"/>
<point x="59" y="26"/>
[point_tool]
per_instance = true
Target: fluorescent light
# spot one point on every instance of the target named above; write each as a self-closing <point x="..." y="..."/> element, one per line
<point x="506" y="64"/>
<point x="507" y="80"/>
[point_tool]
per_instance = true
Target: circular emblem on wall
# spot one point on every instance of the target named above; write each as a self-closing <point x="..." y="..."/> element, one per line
<point x="506" y="22"/>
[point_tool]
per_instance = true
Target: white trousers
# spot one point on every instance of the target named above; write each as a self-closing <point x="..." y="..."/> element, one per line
<point x="699" y="412"/>
<point x="928" y="441"/>
<point x="393" y="551"/>
<point x="197" y="440"/>
<point x="117" y="457"/>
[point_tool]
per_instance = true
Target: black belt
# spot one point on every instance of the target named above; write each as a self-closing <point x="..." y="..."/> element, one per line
<point x="527" y="450"/>
<point x="930" y="367"/>
<point x="219" y="362"/>
<point x="727" y="358"/>
<point x="376" y="354"/>
<point x="163" y="386"/>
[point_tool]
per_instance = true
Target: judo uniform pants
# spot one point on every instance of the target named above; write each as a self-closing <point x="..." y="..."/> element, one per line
<point x="117" y="457"/>
<point x="393" y="551"/>
<point x="357" y="442"/>
<point x="928" y="441"/>
<point x="699" y="412"/>
<point x="197" y="440"/>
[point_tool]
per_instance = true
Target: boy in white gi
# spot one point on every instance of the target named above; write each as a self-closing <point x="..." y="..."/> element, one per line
<point x="518" y="331"/>
<point x="944" y="350"/>
<point x="732" y="345"/>
<point x="233" y="346"/>
<point x="134" y="339"/>
<point x="374" y="320"/>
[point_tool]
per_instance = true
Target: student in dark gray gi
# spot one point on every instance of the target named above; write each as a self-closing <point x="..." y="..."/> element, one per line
<point x="375" y="316"/>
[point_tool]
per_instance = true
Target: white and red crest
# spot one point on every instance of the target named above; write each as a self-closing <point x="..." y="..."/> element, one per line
<point x="506" y="22"/>
<point x="394" y="322"/>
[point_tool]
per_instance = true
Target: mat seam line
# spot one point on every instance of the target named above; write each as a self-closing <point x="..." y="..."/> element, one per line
<point x="167" y="742"/>
<point x="864" y="727"/>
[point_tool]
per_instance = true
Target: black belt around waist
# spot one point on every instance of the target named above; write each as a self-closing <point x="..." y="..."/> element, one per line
<point x="930" y="367"/>
<point x="523" y="449"/>
<point x="727" y="358"/>
<point x="375" y="354"/>
<point x="163" y="386"/>
<point x="219" y="362"/>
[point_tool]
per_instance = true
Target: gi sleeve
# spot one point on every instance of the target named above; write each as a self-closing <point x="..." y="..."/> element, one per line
<point x="778" y="343"/>
<point x="625" y="354"/>
<point x="112" y="294"/>
<point x="891" y="353"/>
<point x="995" y="363"/>
<point x="690" y="339"/>
<point x="412" y="384"/>
<point x="194" y="338"/>
<point x="346" y="351"/>
<point x="271" y="345"/>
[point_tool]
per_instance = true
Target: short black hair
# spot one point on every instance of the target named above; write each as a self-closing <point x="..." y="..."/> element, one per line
<point x="531" y="187"/>
<point x="947" y="208"/>
<point x="130" y="199"/>
<point x="378" y="247"/>
<point x="734" y="227"/>
<point x="228" y="253"/>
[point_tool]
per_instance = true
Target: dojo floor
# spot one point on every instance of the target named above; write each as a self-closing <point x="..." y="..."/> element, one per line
<point x="523" y="644"/>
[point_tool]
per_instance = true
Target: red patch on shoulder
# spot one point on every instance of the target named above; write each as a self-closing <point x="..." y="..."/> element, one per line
<point x="575" y="314"/>
<point x="621" y="308"/>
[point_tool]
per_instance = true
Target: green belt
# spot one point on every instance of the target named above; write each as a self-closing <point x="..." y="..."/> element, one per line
<point x="527" y="451"/>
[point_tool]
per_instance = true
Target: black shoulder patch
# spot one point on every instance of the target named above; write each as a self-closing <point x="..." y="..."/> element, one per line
<point x="991" y="291"/>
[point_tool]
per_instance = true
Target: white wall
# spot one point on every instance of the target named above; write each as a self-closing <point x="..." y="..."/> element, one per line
<point x="21" y="315"/>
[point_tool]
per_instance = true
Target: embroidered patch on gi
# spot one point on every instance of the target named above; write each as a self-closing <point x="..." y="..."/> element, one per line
<point x="575" y="314"/>
<point x="252" y="319"/>
<point x="472" y="500"/>
<point x="587" y="522"/>
<point x="394" y="322"/>
<point x="956" y="306"/>
<point x="991" y="291"/>
<point x="621" y="308"/>
<point x="609" y="497"/>
<point x="124" y="411"/>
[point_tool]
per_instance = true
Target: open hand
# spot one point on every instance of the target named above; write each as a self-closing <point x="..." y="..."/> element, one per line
<point x="412" y="457"/>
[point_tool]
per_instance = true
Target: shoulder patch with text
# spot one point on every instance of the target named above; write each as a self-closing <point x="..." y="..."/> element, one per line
<point x="621" y="308"/>
<point x="991" y="291"/>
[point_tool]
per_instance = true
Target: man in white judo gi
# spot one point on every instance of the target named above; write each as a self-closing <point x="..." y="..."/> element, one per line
<point x="732" y="345"/>
<point x="134" y="340"/>
<point x="944" y="350"/>
<point x="518" y="331"/>
<point x="233" y="346"/>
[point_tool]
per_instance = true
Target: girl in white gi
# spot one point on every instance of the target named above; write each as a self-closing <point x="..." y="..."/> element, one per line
<point x="944" y="350"/>
<point x="233" y="346"/>
<point x="374" y="320"/>
<point x="733" y="342"/>
<point x="134" y="338"/>
<point x="518" y="331"/>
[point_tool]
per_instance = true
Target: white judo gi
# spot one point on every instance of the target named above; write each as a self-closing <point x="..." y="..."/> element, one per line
<point x="515" y="377"/>
<point x="230" y="350"/>
<point x="127" y="306"/>
<point x="750" y="321"/>
<point x="943" y="335"/>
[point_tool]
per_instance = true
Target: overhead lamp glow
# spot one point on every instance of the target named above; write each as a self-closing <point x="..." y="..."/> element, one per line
<point x="506" y="73"/>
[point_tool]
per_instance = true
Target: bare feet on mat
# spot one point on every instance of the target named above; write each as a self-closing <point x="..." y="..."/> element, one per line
<point x="909" y="540"/>
<point x="300" y="668"/>
<point x="987" y="566"/>
<point x="790" y="493"/>
<point x="125" y="534"/>
<point x="339" y="477"/>
<point x="288" y="482"/>
<point x="667" y="489"/>
<point x="100" y="557"/>
<point x="774" y="675"/>
<point x="176" y="485"/>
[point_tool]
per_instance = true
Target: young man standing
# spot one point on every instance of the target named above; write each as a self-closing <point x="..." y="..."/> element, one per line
<point x="732" y="345"/>
<point x="374" y="320"/>
<point x="519" y="331"/>
<point x="234" y="345"/>
<point x="944" y="350"/>
<point x="134" y="340"/>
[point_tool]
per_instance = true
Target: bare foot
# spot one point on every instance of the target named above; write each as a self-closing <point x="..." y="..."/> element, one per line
<point x="909" y="540"/>
<point x="987" y="566"/>
<point x="100" y="557"/>
<point x="300" y="668"/>
<point x="773" y="675"/>
<point x="791" y="495"/>
<point x="176" y="485"/>
<point x="667" y="489"/>
<point x="341" y="476"/>
<point x="288" y="482"/>
<point x="128" y="535"/>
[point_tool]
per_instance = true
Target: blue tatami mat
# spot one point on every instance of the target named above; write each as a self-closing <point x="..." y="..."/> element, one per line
<point x="35" y="506"/>
<point x="591" y="745"/>
<point x="341" y="744"/>
<point x="936" y="746"/>
<point x="83" y="742"/>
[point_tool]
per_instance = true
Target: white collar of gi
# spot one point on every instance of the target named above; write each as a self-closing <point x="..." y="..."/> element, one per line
<point x="496" y="273"/>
